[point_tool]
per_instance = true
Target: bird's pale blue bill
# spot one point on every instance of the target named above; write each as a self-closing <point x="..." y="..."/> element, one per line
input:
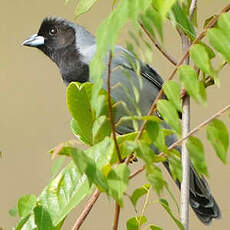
<point x="34" y="41"/>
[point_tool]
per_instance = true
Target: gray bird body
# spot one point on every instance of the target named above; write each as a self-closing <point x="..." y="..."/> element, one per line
<point x="72" y="48"/>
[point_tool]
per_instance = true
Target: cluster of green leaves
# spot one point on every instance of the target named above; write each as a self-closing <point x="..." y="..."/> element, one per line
<point x="88" y="104"/>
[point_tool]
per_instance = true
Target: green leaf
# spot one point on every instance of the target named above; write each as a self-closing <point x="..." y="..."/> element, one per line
<point x="224" y="24"/>
<point x="172" y="91"/>
<point x="56" y="166"/>
<point x="175" y="167"/>
<point x="154" y="227"/>
<point x="196" y="152"/>
<point x="118" y="179"/>
<point x="13" y="212"/>
<point x="146" y="153"/>
<point x="43" y="219"/>
<point x="64" y="193"/>
<point x="138" y="193"/>
<point x="156" y="135"/>
<point x="154" y="176"/>
<point x="101" y="128"/>
<point x="26" y="223"/>
<point x="163" y="6"/>
<point x="170" y="115"/>
<point x="165" y="205"/>
<point x="79" y="106"/>
<point x="180" y="19"/>
<point x="220" y="41"/>
<point x="201" y="58"/>
<point x="26" y="205"/>
<point x="156" y="19"/>
<point x="83" y="6"/>
<point x="194" y="87"/>
<point x="110" y="28"/>
<point x="135" y="222"/>
<point x="218" y="136"/>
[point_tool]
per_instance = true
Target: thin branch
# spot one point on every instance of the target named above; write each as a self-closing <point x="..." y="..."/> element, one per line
<point x="110" y="108"/>
<point x="137" y="172"/>
<point x="197" y="128"/>
<point x="116" y="216"/>
<point x="202" y="34"/>
<point x="86" y="210"/>
<point x="117" y="208"/>
<point x="185" y="162"/>
<point x="163" y="51"/>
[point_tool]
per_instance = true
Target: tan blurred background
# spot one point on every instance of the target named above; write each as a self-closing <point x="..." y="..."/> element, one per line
<point x="34" y="117"/>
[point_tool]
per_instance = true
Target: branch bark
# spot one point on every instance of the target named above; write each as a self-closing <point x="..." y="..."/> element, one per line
<point x="163" y="51"/>
<point x="86" y="210"/>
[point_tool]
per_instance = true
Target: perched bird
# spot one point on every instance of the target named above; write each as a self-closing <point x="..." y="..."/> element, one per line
<point x="72" y="47"/>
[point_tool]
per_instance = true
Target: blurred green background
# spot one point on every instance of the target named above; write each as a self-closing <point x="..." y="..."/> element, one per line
<point x="34" y="116"/>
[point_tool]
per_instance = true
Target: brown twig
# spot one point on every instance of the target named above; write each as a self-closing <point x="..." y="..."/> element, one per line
<point x="163" y="51"/>
<point x="116" y="216"/>
<point x="117" y="208"/>
<point x="110" y="108"/>
<point x="86" y="210"/>
<point x="137" y="172"/>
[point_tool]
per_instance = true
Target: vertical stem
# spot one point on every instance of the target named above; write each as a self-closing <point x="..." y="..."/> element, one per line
<point x="116" y="217"/>
<point x="185" y="164"/>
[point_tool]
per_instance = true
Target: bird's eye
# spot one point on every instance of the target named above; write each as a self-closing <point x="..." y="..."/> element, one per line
<point x="52" y="31"/>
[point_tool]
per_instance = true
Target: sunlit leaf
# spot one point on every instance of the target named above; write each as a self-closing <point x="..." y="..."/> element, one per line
<point x="138" y="193"/>
<point x="26" y="205"/>
<point x="83" y="6"/>
<point x="134" y="222"/>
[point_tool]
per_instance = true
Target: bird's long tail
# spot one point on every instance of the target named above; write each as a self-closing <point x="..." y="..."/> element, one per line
<point x="200" y="197"/>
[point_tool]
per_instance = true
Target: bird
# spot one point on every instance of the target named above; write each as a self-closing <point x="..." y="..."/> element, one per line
<point x="71" y="47"/>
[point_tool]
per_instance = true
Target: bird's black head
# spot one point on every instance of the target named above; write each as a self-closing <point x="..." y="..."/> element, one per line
<point x="55" y="34"/>
<point x="57" y="37"/>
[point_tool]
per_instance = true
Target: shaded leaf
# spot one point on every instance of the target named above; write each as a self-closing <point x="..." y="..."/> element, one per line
<point x="220" y="42"/>
<point x="196" y="152"/>
<point x="43" y="219"/>
<point x="154" y="176"/>
<point x="170" y="115"/>
<point x="118" y="179"/>
<point x="165" y="205"/>
<point x="172" y="91"/>
<point x="218" y="136"/>
<point x="180" y="19"/>
<point x="175" y="167"/>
